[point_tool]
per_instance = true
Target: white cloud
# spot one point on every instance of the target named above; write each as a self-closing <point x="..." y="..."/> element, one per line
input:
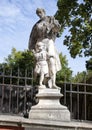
<point x="9" y="11"/>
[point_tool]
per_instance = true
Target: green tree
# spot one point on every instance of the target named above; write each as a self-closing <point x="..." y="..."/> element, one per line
<point x="65" y="73"/>
<point x="89" y="70"/>
<point x="18" y="63"/>
<point x="20" y="59"/>
<point x="89" y="64"/>
<point x="76" y="15"/>
<point x="79" y="77"/>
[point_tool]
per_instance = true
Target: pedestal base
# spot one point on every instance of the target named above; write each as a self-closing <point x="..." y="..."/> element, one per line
<point x="49" y="107"/>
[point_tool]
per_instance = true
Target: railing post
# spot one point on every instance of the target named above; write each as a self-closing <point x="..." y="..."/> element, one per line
<point x="3" y="89"/>
<point x="18" y="78"/>
<point x="10" y="90"/>
<point x="25" y="90"/>
<point x="65" y="91"/>
<point x="71" y="99"/>
<point x="85" y="97"/>
<point x="78" y="100"/>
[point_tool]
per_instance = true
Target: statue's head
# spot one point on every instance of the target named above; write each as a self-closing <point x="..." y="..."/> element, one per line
<point x="40" y="12"/>
<point x="39" y="46"/>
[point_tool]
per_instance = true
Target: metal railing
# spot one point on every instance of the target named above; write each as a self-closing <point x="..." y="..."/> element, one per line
<point x="17" y="95"/>
<point x="78" y="99"/>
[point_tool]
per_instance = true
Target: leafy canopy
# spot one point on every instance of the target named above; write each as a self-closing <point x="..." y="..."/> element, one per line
<point x="21" y="59"/>
<point x="65" y="73"/>
<point x="76" y="15"/>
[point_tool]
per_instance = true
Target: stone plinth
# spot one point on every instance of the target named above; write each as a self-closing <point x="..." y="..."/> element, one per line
<point x="49" y="107"/>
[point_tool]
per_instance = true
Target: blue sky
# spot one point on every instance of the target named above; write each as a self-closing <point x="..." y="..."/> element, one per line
<point x="17" y="18"/>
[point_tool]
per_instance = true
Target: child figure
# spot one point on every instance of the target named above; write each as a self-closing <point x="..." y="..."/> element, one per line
<point x="41" y="67"/>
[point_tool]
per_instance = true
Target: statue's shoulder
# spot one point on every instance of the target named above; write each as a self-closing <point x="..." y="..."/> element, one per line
<point x="34" y="28"/>
<point x="35" y="25"/>
<point x="50" y="17"/>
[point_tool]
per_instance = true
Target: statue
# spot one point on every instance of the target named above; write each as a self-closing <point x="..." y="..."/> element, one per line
<point x="41" y="66"/>
<point x="44" y="33"/>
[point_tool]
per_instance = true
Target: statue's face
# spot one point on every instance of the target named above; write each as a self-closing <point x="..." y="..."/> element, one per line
<point x="41" y="14"/>
<point x="39" y="46"/>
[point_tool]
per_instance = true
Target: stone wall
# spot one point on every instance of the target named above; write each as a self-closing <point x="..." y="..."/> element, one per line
<point x="20" y="123"/>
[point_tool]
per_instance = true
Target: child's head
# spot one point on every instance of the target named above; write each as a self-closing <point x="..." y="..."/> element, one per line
<point x="39" y="46"/>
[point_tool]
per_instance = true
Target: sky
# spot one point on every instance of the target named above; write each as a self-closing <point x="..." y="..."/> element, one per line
<point x="17" y="17"/>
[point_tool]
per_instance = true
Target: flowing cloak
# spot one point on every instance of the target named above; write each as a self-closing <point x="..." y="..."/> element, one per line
<point x="52" y="52"/>
<point x="44" y="28"/>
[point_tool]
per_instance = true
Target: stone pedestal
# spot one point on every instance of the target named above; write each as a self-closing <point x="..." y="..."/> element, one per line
<point x="49" y="107"/>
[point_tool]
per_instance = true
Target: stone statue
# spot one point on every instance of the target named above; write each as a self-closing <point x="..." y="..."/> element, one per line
<point x="44" y="33"/>
<point x="41" y="66"/>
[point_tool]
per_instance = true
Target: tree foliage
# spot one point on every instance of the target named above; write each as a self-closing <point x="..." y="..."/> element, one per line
<point x="76" y="15"/>
<point x="83" y="77"/>
<point x="89" y="64"/>
<point x="79" y="77"/>
<point x="21" y="59"/>
<point x="65" y="73"/>
<point x="18" y="63"/>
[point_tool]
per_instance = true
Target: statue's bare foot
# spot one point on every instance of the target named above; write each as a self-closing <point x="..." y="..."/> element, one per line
<point x="41" y="86"/>
<point x="56" y="87"/>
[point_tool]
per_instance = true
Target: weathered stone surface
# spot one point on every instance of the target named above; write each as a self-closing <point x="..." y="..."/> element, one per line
<point x="49" y="107"/>
<point x="6" y="120"/>
<point x="41" y="43"/>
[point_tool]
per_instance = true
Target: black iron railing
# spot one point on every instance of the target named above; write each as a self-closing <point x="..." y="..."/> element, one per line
<point x="17" y="95"/>
<point x="78" y="99"/>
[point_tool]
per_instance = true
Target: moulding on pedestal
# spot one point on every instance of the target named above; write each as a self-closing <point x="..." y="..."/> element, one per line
<point x="49" y="107"/>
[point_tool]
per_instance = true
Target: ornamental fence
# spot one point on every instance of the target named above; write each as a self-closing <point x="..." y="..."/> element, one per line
<point x="17" y="95"/>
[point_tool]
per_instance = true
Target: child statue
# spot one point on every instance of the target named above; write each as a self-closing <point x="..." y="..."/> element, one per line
<point x="41" y="67"/>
